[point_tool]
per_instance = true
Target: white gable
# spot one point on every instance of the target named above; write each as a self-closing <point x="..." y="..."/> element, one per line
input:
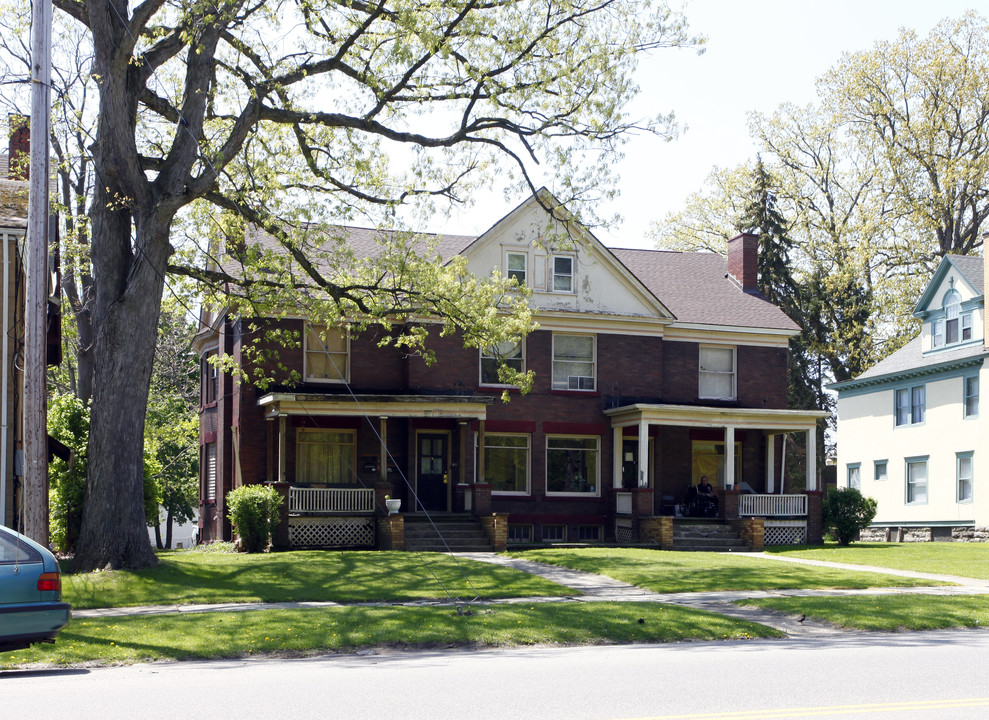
<point x="566" y="272"/>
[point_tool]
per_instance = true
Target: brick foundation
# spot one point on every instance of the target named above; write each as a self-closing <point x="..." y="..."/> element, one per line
<point x="752" y="531"/>
<point x="658" y="530"/>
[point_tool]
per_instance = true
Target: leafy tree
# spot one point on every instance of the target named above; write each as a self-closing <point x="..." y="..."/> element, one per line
<point x="846" y="512"/>
<point x="195" y="99"/>
<point x="68" y="422"/>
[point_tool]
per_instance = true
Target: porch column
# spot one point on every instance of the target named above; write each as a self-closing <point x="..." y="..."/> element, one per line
<point x="383" y="450"/>
<point x="643" y="454"/>
<point x="729" y="456"/>
<point x="281" y="448"/>
<point x="618" y="434"/>
<point x="480" y="452"/>
<point x="812" y="458"/>
<point x="770" y="463"/>
<point x="462" y="465"/>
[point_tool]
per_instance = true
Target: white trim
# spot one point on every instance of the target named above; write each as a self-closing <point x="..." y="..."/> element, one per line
<point x="594" y="362"/>
<point x="734" y="372"/>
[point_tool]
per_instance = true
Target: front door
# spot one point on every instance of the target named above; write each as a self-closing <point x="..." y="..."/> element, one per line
<point x="433" y="481"/>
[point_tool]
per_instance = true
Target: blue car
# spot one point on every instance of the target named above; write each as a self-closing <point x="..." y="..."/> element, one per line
<point x="31" y="607"/>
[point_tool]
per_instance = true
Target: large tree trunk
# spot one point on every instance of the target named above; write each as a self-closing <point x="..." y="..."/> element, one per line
<point x="114" y="529"/>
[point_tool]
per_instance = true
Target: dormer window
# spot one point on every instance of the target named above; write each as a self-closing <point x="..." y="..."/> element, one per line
<point x="954" y="326"/>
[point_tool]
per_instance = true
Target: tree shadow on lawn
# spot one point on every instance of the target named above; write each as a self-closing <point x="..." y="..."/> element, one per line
<point x="337" y="576"/>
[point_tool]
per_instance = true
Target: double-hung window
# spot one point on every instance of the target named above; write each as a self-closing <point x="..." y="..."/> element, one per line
<point x="971" y="396"/>
<point x="572" y="465"/>
<point x="916" y="476"/>
<point x="911" y="405"/>
<point x="716" y="380"/>
<point x="574" y="362"/>
<point x="955" y="326"/>
<point x="855" y="476"/>
<point x="964" y="474"/>
<point x="506" y="463"/>
<point x="325" y="457"/>
<point x="517" y="266"/>
<point x="327" y="354"/>
<point x="507" y="353"/>
<point x="563" y="273"/>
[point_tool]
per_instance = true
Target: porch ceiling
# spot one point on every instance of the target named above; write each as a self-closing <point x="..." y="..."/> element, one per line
<point x="715" y="417"/>
<point x="410" y="406"/>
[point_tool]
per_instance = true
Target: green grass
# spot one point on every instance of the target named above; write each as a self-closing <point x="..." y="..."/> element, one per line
<point x="662" y="571"/>
<point x="301" y="632"/>
<point x="964" y="559"/>
<point x="186" y="577"/>
<point x="887" y="612"/>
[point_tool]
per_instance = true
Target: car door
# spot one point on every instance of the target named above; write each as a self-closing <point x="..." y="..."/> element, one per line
<point x="20" y="567"/>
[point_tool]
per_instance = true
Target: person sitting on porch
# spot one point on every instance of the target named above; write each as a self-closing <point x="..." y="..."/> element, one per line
<point x="705" y="489"/>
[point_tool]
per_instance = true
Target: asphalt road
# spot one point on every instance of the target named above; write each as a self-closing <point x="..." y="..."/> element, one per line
<point x="906" y="675"/>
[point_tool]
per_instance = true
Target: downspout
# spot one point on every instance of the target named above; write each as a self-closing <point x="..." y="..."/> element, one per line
<point x="4" y="380"/>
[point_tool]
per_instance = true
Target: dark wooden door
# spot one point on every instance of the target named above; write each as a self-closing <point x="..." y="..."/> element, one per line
<point x="433" y="477"/>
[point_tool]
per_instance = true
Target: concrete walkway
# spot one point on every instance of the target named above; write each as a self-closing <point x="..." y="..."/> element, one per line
<point x="599" y="588"/>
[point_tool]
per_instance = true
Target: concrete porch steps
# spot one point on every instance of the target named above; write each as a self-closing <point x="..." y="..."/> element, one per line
<point x="452" y="533"/>
<point x="710" y="535"/>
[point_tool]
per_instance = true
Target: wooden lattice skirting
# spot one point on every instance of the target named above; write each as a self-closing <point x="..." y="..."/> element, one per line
<point x="785" y="532"/>
<point x="328" y="532"/>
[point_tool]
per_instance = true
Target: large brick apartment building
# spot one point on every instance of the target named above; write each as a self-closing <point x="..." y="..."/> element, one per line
<point x="652" y="369"/>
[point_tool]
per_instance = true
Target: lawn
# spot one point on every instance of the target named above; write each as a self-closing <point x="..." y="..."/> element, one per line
<point x="667" y="572"/>
<point x="301" y="632"/>
<point x="944" y="558"/>
<point x="887" y="612"/>
<point x="190" y="577"/>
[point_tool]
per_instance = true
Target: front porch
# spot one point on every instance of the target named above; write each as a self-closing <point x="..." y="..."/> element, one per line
<point x="756" y="505"/>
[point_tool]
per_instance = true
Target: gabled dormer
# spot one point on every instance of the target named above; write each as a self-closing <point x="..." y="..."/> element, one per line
<point x="953" y="307"/>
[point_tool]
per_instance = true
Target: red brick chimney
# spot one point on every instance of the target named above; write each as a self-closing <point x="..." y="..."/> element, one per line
<point x="743" y="261"/>
<point x="19" y="148"/>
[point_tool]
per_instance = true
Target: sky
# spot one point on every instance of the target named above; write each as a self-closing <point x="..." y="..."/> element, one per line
<point x="760" y="54"/>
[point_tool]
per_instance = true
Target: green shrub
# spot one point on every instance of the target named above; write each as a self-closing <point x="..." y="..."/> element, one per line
<point x="846" y="511"/>
<point x="253" y="510"/>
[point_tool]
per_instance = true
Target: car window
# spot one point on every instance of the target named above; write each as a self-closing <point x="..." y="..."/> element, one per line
<point x="14" y="551"/>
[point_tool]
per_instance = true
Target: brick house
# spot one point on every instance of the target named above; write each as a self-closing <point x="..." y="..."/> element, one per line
<point x="652" y="369"/>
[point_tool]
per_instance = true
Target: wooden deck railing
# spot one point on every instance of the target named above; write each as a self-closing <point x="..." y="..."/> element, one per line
<point x="326" y="501"/>
<point x="772" y="505"/>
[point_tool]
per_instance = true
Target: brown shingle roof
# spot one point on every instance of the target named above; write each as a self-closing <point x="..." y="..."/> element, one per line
<point x="13" y="203"/>
<point x="696" y="289"/>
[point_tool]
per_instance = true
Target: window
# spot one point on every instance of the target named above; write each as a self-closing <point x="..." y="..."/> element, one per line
<point x="952" y="309"/>
<point x="562" y="273"/>
<point x="966" y="319"/>
<point x="325" y="457"/>
<point x="717" y="373"/>
<point x="210" y="377"/>
<point x="938" y="332"/>
<point x="506" y="463"/>
<point x="963" y="472"/>
<point x="508" y="353"/>
<point x="210" y="449"/>
<point x="880" y="471"/>
<point x="327" y="354"/>
<point x="573" y="362"/>
<point x="572" y="465"/>
<point x="554" y="533"/>
<point x="516" y="263"/>
<point x="855" y="476"/>
<point x="972" y="396"/>
<point x="589" y="533"/>
<point x="910" y="405"/>
<point x="519" y="533"/>
<point x="916" y="481"/>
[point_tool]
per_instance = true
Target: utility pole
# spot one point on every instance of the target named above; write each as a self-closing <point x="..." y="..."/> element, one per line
<point x="36" y="295"/>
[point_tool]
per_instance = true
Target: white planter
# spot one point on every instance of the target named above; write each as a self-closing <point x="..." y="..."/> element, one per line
<point x="393" y="505"/>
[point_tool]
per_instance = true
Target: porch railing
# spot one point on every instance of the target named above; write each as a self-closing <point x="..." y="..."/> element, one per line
<point x="311" y="501"/>
<point x="772" y="505"/>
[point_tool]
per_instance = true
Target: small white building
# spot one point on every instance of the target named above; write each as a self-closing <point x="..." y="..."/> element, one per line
<point x="910" y="431"/>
